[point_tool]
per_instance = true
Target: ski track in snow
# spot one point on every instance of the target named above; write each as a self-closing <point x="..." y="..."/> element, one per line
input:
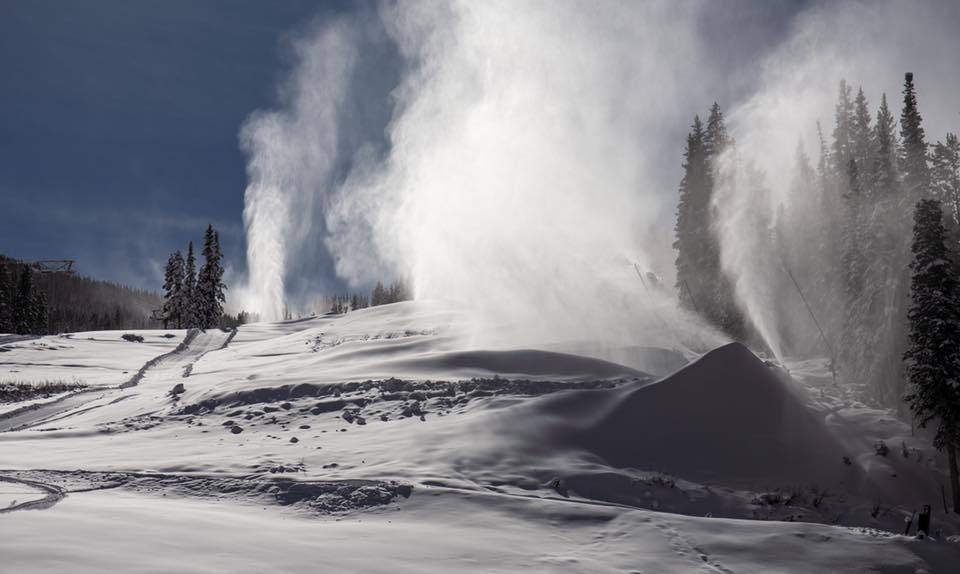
<point x="195" y="345"/>
<point x="51" y="495"/>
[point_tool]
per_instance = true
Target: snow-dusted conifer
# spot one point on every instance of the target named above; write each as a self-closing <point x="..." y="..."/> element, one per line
<point x="192" y="305"/>
<point x="913" y="153"/>
<point x="210" y="284"/>
<point x="933" y="356"/>
<point x="173" y="290"/>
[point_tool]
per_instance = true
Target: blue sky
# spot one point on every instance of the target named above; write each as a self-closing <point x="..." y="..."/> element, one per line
<point x="119" y="119"/>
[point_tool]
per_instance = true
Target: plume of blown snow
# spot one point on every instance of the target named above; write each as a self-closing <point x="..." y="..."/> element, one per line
<point x="291" y="154"/>
<point x="524" y="177"/>
<point x="868" y="44"/>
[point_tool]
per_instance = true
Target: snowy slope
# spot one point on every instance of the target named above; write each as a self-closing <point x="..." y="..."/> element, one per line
<point x="388" y="440"/>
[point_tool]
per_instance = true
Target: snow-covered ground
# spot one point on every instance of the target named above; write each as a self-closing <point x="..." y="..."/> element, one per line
<point x="387" y="440"/>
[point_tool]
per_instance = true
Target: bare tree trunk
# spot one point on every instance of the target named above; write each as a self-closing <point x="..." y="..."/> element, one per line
<point x="954" y="476"/>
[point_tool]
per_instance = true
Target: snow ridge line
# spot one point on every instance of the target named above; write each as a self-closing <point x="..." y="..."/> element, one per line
<point x="135" y="379"/>
<point x="54" y="494"/>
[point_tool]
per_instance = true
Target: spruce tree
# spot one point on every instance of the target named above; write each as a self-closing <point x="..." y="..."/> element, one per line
<point x="173" y="295"/>
<point x="6" y="301"/>
<point x="854" y="266"/>
<point x="24" y="306"/>
<point x="913" y="154"/>
<point x="379" y="295"/>
<point x="715" y="138"/>
<point x="192" y="303"/>
<point x="692" y="219"/>
<point x="842" y="147"/>
<point x="884" y="161"/>
<point x="861" y="133"/>
<point x="932" y="359"/>
<point x="38" y="312"/>
<point x="210" y="284"/>
<point x="945" y="175"/>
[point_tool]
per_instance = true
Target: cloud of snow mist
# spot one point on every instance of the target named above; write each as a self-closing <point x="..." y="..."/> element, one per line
<point x="291" y="156"/>
<point x="868" y="43"/>
<point x="525" y="174"/>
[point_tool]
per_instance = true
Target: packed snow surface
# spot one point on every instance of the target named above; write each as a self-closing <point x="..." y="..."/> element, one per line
<point x="388" y="440"/>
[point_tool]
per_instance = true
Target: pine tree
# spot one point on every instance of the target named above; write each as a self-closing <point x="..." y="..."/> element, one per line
<point x="210" y="284"/>
<point x="854" y="266"/>
<point x="842" y="148"/>
<point x="24" y="306"/>
<point x="6" y="301"/>
<point x="379" y="295"/>
<point x="933" y="357"/>
<point x="173" y="295"/>
<point x="715" y="138"/>
<point x="822" y="160"/>
<point x="192" y="304"/>
<point x="692" y="218"/>
<point x="38" y="312"/>
<point x="945" y="175"/>
<point x="861" y="133"/>
<point x="884" y="161"/>
<point x="916" y="172"/>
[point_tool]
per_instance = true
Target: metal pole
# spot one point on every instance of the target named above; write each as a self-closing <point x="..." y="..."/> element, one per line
<point x="823" y="336"/>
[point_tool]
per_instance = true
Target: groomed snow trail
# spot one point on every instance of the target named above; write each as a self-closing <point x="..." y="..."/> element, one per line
<point x="38" y="495"/>
<point x="165" y="369"/>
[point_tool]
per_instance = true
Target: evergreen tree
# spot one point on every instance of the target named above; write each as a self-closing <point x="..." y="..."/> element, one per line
<point x="844" y="119"/>
<point x="173" y="295"/>
<point x="38" y="311"/>
<point x="933" y="357"/>
<point x="945" y="175"/>
<point x="861" y="133"/>
<point x="884" y="161"/>
<point x="210" y="283"/>
<point x="24" y="305"/>
<point x="715" y="138"/>
<point x="692" y="224"/>
<point x="192" y="304"/>
<point x="6" y="300"/>
<point x="854" y="265"/>
<point x="379" y="295"/>
<point x="916" y="173"/>
<point x="822" y="160"/>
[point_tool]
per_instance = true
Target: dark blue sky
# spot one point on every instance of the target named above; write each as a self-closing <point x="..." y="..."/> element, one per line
<point x="119" y="120"/>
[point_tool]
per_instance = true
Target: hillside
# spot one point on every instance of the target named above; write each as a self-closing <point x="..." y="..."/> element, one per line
<point x="383" y="432"/>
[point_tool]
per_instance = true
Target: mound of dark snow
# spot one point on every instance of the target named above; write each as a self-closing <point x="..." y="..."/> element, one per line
<point x="516" y="363"/>
<point x="726" y="418"/>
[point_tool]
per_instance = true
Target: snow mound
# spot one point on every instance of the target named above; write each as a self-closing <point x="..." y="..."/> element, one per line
<point x="725" y="418"/>
<point x="516" y="363"/>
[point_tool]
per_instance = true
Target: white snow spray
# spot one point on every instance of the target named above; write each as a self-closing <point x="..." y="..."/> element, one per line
<point x="533" y="157"/>
<point x="291" y="154"/>
<point x="798" y="86"/>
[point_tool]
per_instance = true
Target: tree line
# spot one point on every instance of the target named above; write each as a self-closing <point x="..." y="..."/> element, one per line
<point x="380" y="295"/>
<point x="870" y="237"/>
<point x="49" y="303"/>
<point x="193" y="299"/>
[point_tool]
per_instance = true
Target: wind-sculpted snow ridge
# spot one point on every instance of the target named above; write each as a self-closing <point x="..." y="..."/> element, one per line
<point x="318" y="496"/>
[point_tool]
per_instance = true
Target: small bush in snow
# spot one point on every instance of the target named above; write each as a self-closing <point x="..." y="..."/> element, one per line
<point x="131" y="337"/>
